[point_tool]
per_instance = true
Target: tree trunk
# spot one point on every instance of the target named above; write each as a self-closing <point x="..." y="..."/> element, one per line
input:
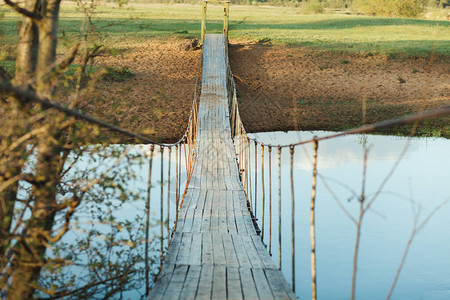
<point x="30" y="257"/>
<point x="48" y="37"/>
<point x="27" y="47"/>
<point x="12" y="161"/>
<point x="31" y="250"/>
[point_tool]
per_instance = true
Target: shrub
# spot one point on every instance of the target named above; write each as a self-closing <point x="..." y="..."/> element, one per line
<point x="312" y="7"/>
<point x="404" y="8"/>
<point x="410" y="8"/>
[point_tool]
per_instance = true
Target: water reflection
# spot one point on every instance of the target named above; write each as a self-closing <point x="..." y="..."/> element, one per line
<point x="132" y="170"/>
<point x="422" y="176"/>
<point x="419" y="183"/>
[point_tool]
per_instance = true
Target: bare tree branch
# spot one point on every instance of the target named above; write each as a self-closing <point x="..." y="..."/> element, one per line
<point x="414" y="232"/>
<point x="23" y="11"/>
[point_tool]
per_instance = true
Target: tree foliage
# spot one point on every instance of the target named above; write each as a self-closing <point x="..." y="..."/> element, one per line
<point x="61" y="182"/>
<point x="403" y="8"/>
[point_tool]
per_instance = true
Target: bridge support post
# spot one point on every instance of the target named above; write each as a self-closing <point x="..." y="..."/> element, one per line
<point x="226" y="10"/>
<point x="203" y="30"/>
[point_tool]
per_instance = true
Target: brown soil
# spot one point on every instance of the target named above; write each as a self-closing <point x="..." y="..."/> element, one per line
<point x="280" y="88"/>
<point x="293" y="88"/>
<point x="158" y="97"/>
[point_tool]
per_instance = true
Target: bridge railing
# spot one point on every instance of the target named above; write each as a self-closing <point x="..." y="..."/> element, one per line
<point x="252" y="169"/>
<point x="226" y="11"/>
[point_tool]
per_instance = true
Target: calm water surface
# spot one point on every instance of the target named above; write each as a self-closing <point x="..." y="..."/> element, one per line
<point x="419" y="184"/>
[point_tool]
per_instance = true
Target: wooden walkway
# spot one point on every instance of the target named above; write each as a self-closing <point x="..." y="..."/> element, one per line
<point x="215" y="252"/>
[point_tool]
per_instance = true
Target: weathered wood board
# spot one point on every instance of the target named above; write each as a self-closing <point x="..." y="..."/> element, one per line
<point x="215" y="252"/>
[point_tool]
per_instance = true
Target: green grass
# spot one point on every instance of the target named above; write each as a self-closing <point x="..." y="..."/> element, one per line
<point x="279" y="25"/>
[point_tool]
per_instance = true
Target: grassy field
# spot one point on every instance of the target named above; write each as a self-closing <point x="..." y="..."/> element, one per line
<point x="277" y="25"/>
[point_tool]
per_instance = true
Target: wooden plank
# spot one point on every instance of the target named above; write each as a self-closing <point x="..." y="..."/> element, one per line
<point x="207" y="249"/>
<point x="227" y="179"/>
<point x="218" y="250"/>
<point x="185" y="249"/>
<point x="188" y="220"/>
<point x="209" y="200"/>
<point x="263" y="253"/>
<point x="239" y="200"/>
<point x="231" y="222"/>
<point x="248" y="284"/>
<point x="191" y="284"/>
<point x="195" y="256"/>
<point x="277" y="287"/>
<point x="222" y="200"/>
<point x="262" y="285"/>
<point x="255" y="260"/>
<point x="219" y="288"/>
<point x="205" y="283"/>
<point x="190" y="195"/>
<point x="214" y="221"/>
<point x="176" y="282"/>
<point x="241" y="253"/>
<point x="163" y="280"/>
<point x="201" y="199"/>
<point x="173" y="248"/>
<point x="248" y="222"/>
<point x="197" y="221"/>
<point x="223" y="226"/>
<point x="234" y="287"/>
<point x="206" y="220"/>
<point x="240" y="224"/>
<point x="230" y="251"/>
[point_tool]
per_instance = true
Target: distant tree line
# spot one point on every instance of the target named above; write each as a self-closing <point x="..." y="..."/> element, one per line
<point x="402" y="8"/>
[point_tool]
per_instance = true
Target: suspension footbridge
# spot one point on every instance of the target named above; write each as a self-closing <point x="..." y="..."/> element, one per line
<point x="215" y="251"/>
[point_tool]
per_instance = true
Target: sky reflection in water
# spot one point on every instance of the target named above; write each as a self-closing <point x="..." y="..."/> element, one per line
<point x="421" y="181"/>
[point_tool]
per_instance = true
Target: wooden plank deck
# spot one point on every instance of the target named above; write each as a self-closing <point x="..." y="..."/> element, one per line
<point x="215" y="252"/>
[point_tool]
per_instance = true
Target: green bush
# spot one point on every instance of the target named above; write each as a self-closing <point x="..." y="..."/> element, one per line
<point x="312" y="7"/>
<point x="410" y="8"/>
<point x="339" y="4"/>
<point x="403" y="8"/>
